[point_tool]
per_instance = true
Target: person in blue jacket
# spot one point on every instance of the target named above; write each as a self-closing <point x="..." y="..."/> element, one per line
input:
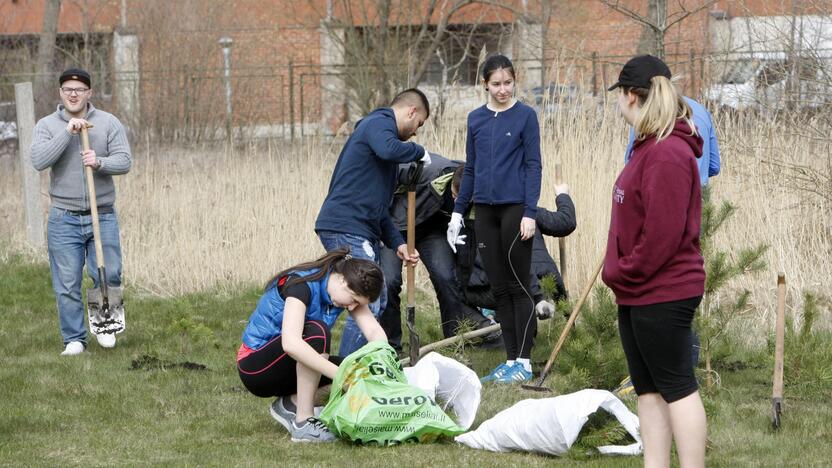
<point x="355" y="212"/>
<point x="709" y="161"/>
<point x="285" y="349"/>
<point x="502" y="175"/>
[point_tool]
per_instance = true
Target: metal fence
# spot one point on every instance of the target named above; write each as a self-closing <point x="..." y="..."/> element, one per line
<point x="291" y="100"/>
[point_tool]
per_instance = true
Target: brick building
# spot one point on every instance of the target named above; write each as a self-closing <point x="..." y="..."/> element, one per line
<point x="161" y="61"/>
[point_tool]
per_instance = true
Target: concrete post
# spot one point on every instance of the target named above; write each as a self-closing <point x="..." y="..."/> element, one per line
<point x="25" y="103"/>
<point x="333" y="89"/>
<point x="527" y="42"/>
<point x="225" y="43"/>
<point x="126" y="82"/>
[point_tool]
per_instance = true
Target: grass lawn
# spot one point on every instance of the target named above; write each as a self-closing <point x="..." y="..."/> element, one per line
<point x="95" y="409"/>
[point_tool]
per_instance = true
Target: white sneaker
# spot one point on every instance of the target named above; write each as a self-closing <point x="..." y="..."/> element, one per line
<point x="107" y="340"/>
<point x="73" y="348"/>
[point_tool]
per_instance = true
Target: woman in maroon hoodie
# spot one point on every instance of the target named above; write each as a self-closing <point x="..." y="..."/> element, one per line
<point x="653" y="262"/>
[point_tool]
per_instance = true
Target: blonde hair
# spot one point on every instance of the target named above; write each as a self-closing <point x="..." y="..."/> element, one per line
<point x="661" y="106"/>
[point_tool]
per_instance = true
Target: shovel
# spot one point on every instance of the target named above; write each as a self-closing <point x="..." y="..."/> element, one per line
<point x="413" y="179"/>
<point x="779" y="343"/>
<point x="561" y="240"/>
<point x="104" y="304"/>
<point x="538" y="387"/>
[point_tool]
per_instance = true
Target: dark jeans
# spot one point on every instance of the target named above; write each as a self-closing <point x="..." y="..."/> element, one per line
<point x="436" y="255"/>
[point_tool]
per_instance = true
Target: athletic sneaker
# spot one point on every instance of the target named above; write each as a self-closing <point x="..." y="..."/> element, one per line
<point x="282" y="415"/>
<point x="498" y="372"/>
<point x="73" y="348"/>
<point x="313" y="430"/>
<point x="106" y="340"/>
<point x="517" y="373"/>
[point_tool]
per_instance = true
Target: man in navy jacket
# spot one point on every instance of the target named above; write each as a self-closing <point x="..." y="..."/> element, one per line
<point x="355" y="212"/>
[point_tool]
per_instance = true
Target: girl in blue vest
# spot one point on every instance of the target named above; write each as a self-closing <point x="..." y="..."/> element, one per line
<point x="502" y="177"/>
<point x="285" y="350"/>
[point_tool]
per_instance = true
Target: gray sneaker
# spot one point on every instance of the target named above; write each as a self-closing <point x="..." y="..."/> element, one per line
<point x="282" y="415"/>
<point x="313" y="430"/>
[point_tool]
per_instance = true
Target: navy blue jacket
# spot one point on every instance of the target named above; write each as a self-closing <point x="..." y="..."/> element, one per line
<point x="503" y="165"/>
<point x="364" y="179"/>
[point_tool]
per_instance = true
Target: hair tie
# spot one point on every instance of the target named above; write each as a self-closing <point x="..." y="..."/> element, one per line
<point x="347" y="257"/>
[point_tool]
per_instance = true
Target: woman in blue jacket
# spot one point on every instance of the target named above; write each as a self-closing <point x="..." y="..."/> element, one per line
<point x="285" y="350"/>
<point x="502" y="177"/>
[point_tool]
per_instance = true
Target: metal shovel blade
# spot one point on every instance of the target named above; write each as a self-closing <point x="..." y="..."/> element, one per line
<point x="414" y="336"/>
<point x="106" y="317"/>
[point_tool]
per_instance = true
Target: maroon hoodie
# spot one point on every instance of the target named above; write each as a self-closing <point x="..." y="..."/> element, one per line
<point x="653" y="252"/>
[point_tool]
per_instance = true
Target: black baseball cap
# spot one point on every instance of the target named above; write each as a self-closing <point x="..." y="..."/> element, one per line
<point x="639" y="70"/>
<point x="75" y="74"/>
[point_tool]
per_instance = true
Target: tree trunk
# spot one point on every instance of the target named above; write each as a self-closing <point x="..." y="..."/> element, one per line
<point x="46" y="56"/>
<point x="652" y="37"/>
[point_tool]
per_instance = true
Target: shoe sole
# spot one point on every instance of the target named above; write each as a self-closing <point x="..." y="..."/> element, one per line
<point x="280" y="420"/>
<point x="310" y="441"/>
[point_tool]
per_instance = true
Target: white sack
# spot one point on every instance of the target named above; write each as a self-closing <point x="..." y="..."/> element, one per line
<point x="551" y="425"/>
<point x="449" y="381"/>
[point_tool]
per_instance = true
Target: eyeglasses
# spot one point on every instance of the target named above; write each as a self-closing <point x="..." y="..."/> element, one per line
<point x="70" y="91"/>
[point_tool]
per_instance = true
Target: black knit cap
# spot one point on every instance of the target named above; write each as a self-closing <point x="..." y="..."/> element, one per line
<point x="639" y="70"/>
<point x="75" y="74"/>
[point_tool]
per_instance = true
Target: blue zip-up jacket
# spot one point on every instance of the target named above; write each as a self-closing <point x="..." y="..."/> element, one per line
<point x="709" y="161"/>
<point x="364" y="179"/>
<point x="266" y="322"/>
<point x="503" y="159"/>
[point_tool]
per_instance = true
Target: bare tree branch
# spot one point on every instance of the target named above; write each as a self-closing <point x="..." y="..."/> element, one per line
<point x="632" y="14"/>
<point x="684" y="14"/>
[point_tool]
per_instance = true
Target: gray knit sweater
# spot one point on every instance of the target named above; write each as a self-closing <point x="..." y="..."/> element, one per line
<point x="54" y="147"/>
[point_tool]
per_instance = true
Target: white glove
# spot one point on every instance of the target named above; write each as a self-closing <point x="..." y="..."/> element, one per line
<point x="454" y="227"/>
<point x="426" y="158"/>
<point x="544" y="310"/>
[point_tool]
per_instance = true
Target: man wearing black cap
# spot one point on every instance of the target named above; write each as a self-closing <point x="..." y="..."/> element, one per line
<point x="56" y="145"/>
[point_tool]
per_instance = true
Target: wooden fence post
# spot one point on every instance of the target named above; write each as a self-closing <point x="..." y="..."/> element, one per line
<point x="25" y="103"/>
<point x="595" y="73"/>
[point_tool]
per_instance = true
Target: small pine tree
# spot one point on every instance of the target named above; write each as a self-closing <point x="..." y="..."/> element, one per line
<point x="591" y="356"/>
<point x="716" y="311"/>
<point x="808" y="354"/>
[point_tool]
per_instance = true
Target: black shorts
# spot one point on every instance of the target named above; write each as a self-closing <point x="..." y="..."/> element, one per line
<point x="657" y="343"/>
<point x="270" y="371"/>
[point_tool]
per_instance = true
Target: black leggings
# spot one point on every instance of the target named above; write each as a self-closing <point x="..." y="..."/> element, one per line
<point x="657" y="343"/>
<point x="506" y="259"/>
<point x="270" y="371"/>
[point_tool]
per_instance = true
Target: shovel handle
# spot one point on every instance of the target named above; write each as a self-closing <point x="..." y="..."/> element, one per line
<point x="96" y="228"/>
<point x="572" y="317"/>
<point x="561" y="240"/>
<point x="779" y="337"/>
<point x="411" y="277"/>
<point x="411" y="247"/>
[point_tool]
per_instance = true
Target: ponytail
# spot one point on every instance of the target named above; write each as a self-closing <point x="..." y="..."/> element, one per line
<point x="661" y="106"/>
<point x="362" y="276"/>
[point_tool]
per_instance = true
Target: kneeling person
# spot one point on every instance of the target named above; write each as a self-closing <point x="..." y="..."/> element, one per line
<point x="285" y="349"/>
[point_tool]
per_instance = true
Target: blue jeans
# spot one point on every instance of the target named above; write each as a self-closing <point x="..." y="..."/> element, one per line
<point x="70" y="243"/>
<point x="438" y="258"/>
<point x="352" y="339"/>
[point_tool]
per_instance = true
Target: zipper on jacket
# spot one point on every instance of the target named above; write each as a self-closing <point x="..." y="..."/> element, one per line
<point x="492" y="158"/>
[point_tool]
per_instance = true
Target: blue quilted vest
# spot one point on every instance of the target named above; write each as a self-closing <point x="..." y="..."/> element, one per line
<point x="267" y="320"/>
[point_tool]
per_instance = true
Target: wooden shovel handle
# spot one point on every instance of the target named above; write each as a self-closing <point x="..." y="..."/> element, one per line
<point x="779" y="336"/>
<point x="96" y="229"/>
<point x="572" y="317"/>
<point x="561" y="240"/>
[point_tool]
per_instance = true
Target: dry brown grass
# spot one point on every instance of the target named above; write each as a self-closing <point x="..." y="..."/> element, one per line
<point x="211" y="217"/>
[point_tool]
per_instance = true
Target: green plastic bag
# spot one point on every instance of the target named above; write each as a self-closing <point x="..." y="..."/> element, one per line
<point x="371" y="402"/>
